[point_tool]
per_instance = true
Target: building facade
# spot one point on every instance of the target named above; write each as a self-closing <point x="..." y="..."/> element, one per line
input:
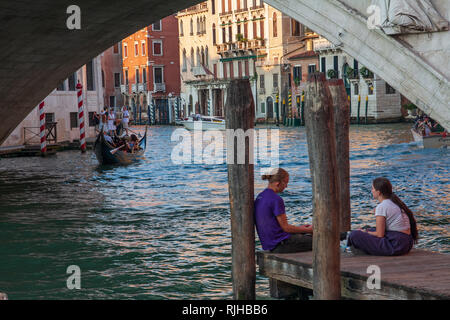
<point x="112" y="76"/>
<point x="364" y="88"/>
<point x="227" y="39"/>
<point x="61" y="109"/>
<point x="151" y="66"/>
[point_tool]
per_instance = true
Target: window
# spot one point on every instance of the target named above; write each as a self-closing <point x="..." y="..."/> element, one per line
<point x="239" y="69"/>
<point x="116" y="48"/>
<point x="213" y="6"/>
<point x="295" y="28"/>
<point x="255" y="28"/>
<point x="103" y="78"/>
<point x="231" y="69"/>
<point x="223" y="6"/>
<point x="90" y="75"/>
<point x="389" y="89"/>
<point x="112" y="101"/>
<point x="245" y="29"/>
<point x="143" y="48"/>
<point x="158" y="75"/>
<point x="214" y="33"/>
<point x="355" y="68"/>
<point x="356" y="89"/>
<point x="73" y="120"/>
<point x="224" y="66"/>
<point x="230" y="32"/>
<point x="192" y="27"/>
<point x="91" y="122"/>
<point x="263" y="107"/>
<point x="61" y="86"/>
<point x="144" y="75"/>
<point x="297" y="73"/>
<point x="181" y="28"/>
<point x="136" y="48"/>
<point x="157" y="48"/>
<point x="247" y="72"/>
<point x="157" y="26"/>
<point x="215" y="70"/>
<point x="336" y="65"/>
<point x="126" y="77"/>
<point x="274" y="26"/>
<point x="224" y="35"/>
<point x="49" y="117"/>
<point x="125" y="51"/>
<point x="323" y="65"/>
<point x="275" y="80"/>
<point x="261" y="82"/>
<point x="137" y="76"/>
<point x="311" y="68"/>
<point x="261" y="27"/>
<point x="72" y="81"/>
<point x="116" y="80"/>
<point x="184" y="65"/>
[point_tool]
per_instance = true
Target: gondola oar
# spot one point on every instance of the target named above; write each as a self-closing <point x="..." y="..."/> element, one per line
<point x="116" y="149"/>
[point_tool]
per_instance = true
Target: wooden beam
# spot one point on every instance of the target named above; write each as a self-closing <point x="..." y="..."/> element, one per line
<point x="322" y="159"/>
<point x="240" y="114"/>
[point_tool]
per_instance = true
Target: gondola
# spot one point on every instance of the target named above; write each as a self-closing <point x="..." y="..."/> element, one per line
<point x="107" y="154"/>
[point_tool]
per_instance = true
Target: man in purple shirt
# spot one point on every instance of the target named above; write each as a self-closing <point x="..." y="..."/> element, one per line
<point x="274" y="231"/>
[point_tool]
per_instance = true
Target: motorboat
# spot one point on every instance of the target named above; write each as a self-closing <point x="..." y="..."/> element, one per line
<point x="203" y="122"/>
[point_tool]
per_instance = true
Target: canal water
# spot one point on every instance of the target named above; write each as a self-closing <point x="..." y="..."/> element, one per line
<point x="157" y="230"/>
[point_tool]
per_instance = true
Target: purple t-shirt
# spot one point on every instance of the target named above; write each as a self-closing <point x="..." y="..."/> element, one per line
<point x="268" y="205"/>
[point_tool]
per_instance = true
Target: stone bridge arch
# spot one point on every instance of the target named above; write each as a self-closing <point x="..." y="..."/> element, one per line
<point x="38" y="51"/>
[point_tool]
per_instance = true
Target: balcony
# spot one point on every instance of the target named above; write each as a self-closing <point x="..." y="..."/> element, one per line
<point x="124" y="88"/>
<point x="323" y="44"/>
<point x="159" y="87"/>
<point x="256" y="44"/>
<point x="141" y="87"/>
<point x="198" y="71"/>
<point x="133" y="88"/>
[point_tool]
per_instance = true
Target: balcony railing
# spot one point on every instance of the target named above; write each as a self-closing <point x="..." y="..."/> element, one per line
<point x="323" y="44"/>
<point x="159" y="87"/>
<point x="124" y="88"/>
<point x="141" y="87"/>
<point x="198" y="71"/>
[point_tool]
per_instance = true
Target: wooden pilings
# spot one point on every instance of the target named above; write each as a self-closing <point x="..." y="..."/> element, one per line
<point x="320" y="129"/>
<point x="341" y="106"/>
<point x="240" y="114"/>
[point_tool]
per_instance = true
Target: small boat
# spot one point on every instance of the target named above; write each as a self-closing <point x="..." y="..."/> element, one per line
<point x="203" y="123"/>
<point x="434" y="140"/>
<point x="107" y="154"/>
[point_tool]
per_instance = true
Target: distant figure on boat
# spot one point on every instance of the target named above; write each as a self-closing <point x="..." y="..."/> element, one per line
<point x="125" y="118"/>
<point x="396" y="228"/>
<point x="111" y="120"/>
<point x="274" y="231"/>
<point x="133" y="145"/>
<point x="103" y="120"/>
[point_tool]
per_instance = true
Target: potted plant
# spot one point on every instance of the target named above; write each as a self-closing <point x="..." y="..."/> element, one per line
<point x="411" y="108"/>
<point x="239" y="37"/>
<point x="366" y="73"/>
<point x="297" y="81"/>
<point x="332" y="74"/>
<point x="350" y="73"/>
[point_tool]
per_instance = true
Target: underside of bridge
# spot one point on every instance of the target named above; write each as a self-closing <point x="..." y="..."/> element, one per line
<point x="38" y="51"/>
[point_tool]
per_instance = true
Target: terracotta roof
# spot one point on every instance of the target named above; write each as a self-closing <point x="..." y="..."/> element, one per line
<point x="307" y="54"/>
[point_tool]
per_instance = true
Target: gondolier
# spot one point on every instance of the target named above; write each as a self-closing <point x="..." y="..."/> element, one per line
<point x="111" y="120"/>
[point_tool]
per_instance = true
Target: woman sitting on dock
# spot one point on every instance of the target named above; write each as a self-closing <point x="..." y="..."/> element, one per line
<point x="396" y="228"/>
<point x="274" y="231"/>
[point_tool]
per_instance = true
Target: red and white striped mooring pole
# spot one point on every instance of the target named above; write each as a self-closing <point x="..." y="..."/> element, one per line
<point x="42" y="128"/>
<point x="81" y="117"/>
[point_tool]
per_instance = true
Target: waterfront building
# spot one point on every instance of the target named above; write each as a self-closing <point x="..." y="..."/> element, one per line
<point x="61" y="109"/>
<point x="384" y="102"/>
<point x="112" y="76"/>
<point x="223" y="40"/>
<point x="151" y="67"/>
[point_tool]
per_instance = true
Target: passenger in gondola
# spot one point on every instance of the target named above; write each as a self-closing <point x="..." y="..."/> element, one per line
<point x="133" y="145"/>
<point x="109" y="139"/>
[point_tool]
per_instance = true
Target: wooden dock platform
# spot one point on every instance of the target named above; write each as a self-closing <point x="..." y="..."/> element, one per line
<point x="416" y="276"/>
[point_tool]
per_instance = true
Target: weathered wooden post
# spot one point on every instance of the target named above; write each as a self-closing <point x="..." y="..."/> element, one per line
<point x="341" y="107"/>
<point x="322" y="160"/>
<point x="240" y="116"/>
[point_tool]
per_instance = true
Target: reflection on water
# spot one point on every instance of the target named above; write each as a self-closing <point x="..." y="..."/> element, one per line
<point x="155" y="230"/>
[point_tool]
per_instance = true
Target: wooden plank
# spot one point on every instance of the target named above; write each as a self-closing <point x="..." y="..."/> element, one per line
<point x="418" y="275"/>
